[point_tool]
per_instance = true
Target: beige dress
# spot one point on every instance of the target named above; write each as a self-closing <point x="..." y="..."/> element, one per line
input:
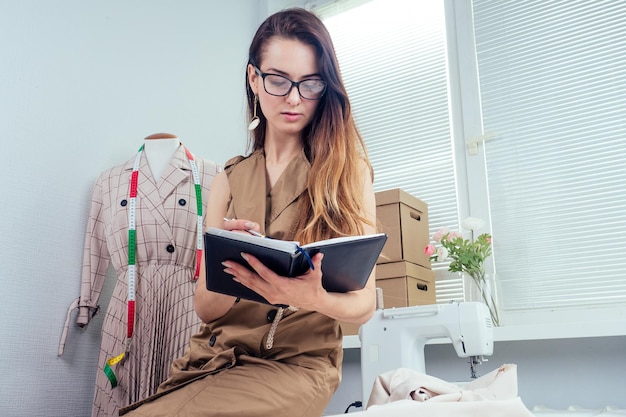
<point x="228" y="369"/>
<point x="165" y="319"/>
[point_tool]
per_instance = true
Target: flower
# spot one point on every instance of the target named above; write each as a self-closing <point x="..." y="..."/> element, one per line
<point x="467" y="256"/>
<point x="442" y="254"/>
<point x="472" y="223"/>
<point x="440" y="234"/>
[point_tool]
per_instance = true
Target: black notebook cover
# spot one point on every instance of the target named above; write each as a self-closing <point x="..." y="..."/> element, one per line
<point x="347" y="262"/>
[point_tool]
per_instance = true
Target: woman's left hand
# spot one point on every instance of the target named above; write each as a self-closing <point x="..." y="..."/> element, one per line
<point x="303" y="291"/>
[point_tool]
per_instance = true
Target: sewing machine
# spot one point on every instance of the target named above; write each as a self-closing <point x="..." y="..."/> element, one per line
<point x="395" y="337"/>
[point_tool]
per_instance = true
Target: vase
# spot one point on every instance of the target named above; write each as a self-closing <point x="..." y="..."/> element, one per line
<point x="482" y="288"/>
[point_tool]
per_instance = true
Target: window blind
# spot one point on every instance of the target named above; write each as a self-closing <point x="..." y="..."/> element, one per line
<point x="553" y="89"/>
<point x="552" y="79"/>
<point x="392" y="55"/>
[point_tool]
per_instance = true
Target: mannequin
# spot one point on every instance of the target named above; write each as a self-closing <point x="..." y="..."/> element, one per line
<point x="164" y="253"/>
<point x="159" y="148"/>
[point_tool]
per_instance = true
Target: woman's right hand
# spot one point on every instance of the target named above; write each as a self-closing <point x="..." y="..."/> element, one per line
<point x="241" y="225"/>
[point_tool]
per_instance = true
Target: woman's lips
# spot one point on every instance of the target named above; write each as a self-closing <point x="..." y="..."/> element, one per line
<point x="291" y="117"/>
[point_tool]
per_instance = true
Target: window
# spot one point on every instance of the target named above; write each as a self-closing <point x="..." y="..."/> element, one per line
<point x="553" y="90"/>
<point x="394" y="67"/>
<point x="544" y="83"/>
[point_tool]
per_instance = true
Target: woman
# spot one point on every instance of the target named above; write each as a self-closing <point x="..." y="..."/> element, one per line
<point x="307" y="178"/>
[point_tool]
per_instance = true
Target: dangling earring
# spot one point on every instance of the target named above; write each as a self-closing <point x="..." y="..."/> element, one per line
<point x="255" y="119"/>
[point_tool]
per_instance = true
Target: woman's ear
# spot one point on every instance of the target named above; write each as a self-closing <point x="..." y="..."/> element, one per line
<point x="252" y="78"/>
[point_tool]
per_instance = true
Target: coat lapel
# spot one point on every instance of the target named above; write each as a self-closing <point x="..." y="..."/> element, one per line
<point x="178" y="171"/>
<point x="151" y="197"/>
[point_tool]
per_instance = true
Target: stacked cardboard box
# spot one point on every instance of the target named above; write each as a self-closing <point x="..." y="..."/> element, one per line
<point x="403" y="271"/>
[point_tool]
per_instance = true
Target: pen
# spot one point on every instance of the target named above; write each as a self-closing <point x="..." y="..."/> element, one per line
<point x="255" y="233"/>
<point x="252" y="232"/>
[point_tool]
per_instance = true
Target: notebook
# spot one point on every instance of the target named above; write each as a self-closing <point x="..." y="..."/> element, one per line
<point x="347" y="264"/>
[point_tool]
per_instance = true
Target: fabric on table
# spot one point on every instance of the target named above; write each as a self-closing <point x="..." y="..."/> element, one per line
<point x="485" y="396"/>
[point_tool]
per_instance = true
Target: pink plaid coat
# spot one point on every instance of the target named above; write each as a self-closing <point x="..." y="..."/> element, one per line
<point x="165" y="319"/>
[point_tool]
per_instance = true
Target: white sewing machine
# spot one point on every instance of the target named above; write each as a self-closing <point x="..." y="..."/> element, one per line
<point x="395" y="337"/>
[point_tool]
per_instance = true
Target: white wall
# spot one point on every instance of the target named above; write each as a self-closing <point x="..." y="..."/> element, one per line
<point x="81" y="84"/>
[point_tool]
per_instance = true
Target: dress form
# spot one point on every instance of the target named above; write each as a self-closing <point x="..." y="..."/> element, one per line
<point x="166" y="261"/>
<point x="159" y="148"/>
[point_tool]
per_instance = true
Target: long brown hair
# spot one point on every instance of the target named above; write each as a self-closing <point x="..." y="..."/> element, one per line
<point x="332" y="142"/>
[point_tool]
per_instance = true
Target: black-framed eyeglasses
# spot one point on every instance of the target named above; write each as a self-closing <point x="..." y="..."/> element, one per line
<point x="278" y="85"/>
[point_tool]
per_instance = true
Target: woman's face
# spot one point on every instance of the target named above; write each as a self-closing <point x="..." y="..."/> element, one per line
<point x="289" y="114"/>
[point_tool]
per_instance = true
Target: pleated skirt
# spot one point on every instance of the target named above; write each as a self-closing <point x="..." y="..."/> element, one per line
<point x="165" y="319"/>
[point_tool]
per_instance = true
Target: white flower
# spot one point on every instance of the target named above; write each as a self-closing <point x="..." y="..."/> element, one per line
<point x="442" y="254"/>
<point x="472" y="223"/>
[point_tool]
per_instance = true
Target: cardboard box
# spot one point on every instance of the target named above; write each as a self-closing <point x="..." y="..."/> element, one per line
<point x="405" y="284"/>
<point x="349" y="328"/>
<point x="405" y="220"/>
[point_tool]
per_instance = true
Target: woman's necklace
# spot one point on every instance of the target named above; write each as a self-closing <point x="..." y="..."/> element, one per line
<point x="132" y="252"/>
